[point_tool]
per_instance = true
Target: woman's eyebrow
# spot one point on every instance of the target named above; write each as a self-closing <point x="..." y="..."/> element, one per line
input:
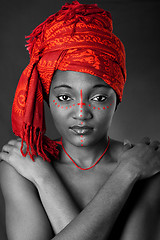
<point x="96" y="86"/>
<point x="101" y="85"/>
<point x="65" y="86"/>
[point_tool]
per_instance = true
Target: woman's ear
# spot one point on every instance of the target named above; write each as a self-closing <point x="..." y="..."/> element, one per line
<point x="117" y="102"/>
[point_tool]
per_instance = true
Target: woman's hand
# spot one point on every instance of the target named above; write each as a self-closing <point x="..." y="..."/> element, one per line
<point x="143" y="157"/>
<point x="24" y="165"/>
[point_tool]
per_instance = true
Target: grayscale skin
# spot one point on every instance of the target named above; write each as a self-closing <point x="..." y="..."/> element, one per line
<point x="118" y="199"/>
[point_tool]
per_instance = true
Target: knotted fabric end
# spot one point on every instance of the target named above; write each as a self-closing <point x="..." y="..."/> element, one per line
<point x="37" y="144"/>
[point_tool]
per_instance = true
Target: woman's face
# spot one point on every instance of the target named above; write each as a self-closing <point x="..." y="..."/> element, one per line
<point x="82" y="106"/>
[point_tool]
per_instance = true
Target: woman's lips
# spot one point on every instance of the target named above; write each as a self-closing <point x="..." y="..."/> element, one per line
<point x="82" y="130"/>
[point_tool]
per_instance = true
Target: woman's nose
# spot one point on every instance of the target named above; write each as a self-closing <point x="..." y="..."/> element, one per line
<point x="82" y="112"/>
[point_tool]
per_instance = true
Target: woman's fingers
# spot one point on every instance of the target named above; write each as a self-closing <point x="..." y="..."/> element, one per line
<point x="4" y="156"/>
<point x="7" y="148"/>
<point x="145" y="140"/>
<point x="126" y="141"/>
<point x="15" y="142"/>
<point x="127" y="145"/>
<point x="155" y="144"/>
<point x="12" y="142"/>
<point x="7" y="152"/>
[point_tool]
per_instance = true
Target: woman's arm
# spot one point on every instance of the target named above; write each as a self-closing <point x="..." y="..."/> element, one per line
<point x="25" y="214"/>
<point x="24" y="210"/>
<point x="25" y="218"/>
<point x="98" y="217"/>
<point x="102" y="211"/>
<point x="144" y="218"/>
<point x="27" y="169"/>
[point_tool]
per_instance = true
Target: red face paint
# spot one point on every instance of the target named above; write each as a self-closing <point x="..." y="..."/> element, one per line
<point x="81" y="104"/>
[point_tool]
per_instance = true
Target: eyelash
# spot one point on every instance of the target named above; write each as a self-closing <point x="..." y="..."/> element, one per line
<point x="104" y="98"/>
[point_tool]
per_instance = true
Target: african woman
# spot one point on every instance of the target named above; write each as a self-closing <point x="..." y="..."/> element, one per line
<point x="84" y="185"/>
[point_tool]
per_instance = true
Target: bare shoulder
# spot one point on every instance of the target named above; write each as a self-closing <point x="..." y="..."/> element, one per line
<point x="116" y="148"/>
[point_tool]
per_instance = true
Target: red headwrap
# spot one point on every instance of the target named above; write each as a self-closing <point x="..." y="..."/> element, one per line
<point x="77" y="38"/>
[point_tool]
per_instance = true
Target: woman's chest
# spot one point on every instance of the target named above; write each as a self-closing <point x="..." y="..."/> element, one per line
<point x="83" y="185"/>
<point x="131" y="223"/>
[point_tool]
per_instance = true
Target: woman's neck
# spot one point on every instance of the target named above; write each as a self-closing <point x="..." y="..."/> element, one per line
<point x="84" y="157"/>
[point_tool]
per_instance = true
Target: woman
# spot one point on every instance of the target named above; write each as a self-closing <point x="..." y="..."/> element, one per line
<point x="89" y="186"/>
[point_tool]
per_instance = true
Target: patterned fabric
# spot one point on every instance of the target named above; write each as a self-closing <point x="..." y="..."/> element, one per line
<point x="77" y="38"/>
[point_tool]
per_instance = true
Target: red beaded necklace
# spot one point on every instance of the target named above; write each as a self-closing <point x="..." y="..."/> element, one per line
<point x="94" y="163"/>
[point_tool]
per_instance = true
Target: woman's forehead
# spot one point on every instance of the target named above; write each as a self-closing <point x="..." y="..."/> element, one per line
<point x="74" y="78"/>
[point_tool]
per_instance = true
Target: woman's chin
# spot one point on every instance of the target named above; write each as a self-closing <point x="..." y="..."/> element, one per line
<point x="83" y="140"/>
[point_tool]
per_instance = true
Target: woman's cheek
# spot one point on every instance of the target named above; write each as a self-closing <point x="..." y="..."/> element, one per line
<point x="58" y="111"/>
<point x="104" y="118"/>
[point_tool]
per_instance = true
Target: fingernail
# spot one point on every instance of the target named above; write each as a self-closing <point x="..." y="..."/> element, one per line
<point x="126" y="141"/>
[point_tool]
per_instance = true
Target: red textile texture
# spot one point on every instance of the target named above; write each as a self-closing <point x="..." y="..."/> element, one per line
<point x="78" y="38"/>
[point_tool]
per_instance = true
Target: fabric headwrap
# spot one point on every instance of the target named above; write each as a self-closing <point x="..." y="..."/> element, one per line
<point x="77" y="38"/>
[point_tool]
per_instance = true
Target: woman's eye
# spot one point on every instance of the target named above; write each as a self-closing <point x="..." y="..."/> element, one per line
<point x="63" y="98"/>
<point x="99" y="98"/>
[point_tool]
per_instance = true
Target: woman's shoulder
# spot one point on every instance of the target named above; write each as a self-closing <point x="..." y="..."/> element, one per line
<point x="116" y="148"/>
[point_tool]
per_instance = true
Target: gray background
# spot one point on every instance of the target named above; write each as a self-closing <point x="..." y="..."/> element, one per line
<point x="136" y="23"/>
